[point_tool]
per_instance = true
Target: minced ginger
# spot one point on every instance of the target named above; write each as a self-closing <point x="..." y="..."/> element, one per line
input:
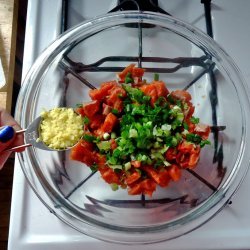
<point x="60" y="128"/>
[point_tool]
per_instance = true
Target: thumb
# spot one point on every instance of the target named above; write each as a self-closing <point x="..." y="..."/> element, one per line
<point x="7" y="135"/>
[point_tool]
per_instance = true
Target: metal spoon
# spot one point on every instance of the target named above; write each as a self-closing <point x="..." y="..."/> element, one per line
<point x="31" y="136"/>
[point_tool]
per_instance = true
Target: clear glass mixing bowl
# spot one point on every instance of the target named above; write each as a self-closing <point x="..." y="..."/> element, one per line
<point x="192" y="61"/>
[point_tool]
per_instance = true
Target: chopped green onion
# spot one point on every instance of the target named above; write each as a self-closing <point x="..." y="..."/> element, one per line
<point x="144" y="158"/>
<point x="194" y="120"/>
<point x="94" y="167"/>
<point x="159" y="139"/>
<point x="106" y="136"/>
<point x="133" y="133"/>
<point x="185" y="125"/>
<point x="127" y="166"/>
<point x="116" y="167"/>
<point x="79" y="105"/>
<point x="184" y="132"/>
<point x="176" y="109"/>
<point x="166" y="127"/>
<point x="103" y="145"/>
<point x="128" y="78"/>
<point x="185" y="106"/>
<point x="115" y="111"/>
<point x="89" y="138"/>
<point x="174" y="142"/>
<point x="166" y="163"/>
<point x="193" y="138"/>
<point x="179" y="103"/>
<point x="156" y="155"/>
<point x="156" y="77"/>
<point x="113" y="135"/>
<point x="176" y="123"/>
<point x="157" y="144"/>
<point x="163" y="150"/>
<point x="180" y="116"/>
<point x="146" y="99"/>
<point x="86" y="120"/>
<point x="114" y="186"/>
<point x="112" y="160"/>
<point x="134" y="93"/>
<point x="178" y="137"/>
<point x="205" y="142"/>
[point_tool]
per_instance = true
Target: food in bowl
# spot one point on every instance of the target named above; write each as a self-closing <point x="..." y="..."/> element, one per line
<point x="139" y="135"/>
<point x="60" y="128"/>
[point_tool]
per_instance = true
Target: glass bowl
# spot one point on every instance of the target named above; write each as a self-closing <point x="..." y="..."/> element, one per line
<point x="185" y="58"/>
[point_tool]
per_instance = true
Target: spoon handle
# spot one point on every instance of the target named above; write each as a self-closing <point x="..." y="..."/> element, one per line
<point x="17" y="147"/>
<point x="21" y="131"/>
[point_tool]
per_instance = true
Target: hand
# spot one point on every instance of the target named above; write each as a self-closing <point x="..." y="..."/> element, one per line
<point x="8" y="137"/>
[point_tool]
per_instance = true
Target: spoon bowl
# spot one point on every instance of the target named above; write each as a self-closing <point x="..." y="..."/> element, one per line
<point x="32" y="137"/>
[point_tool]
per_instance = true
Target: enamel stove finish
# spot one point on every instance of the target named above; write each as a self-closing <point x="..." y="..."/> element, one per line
<point x="32" y="226"/>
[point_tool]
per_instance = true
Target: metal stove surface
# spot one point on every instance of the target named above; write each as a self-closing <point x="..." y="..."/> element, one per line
<point x="32" y="226"/>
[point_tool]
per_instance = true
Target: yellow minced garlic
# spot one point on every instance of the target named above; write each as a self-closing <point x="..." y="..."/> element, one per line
<point x="60" y="128"/>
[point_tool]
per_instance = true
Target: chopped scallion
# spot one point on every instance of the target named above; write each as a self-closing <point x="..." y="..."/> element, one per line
<point x="89" y="138"/>
<point x="156" y="77"/>
<point x="194" y="120"/>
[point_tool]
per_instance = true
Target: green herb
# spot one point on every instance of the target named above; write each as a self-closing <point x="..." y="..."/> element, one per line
<point x="113" y="135"/>
<point x="205" y="142"/>
<point x="185" y="125"/>
<point x="94" y="167"/>
<point x="89" y="138"/>
<point x="174" y="142"/>
<point x="114" y="186"/>
<point x="179" y="103"/>
<point x="146" y="99"/>
<point x="127" y="166"/>
<point x="106" y="136"/>
<point x="133" y="133"/>
<point x="103" y="145"/>
<point x="171" y="99"/>
<point x="176" y="123"/>
<point x="115" y="111"/>
<point x="193" y="138"/>
<point x="134" y="93"/>
<point x="178" y="137"/>
<point x="197" y="139"/>
<point x="194" y="120"/>
<point x="156" y="77"/>
<point x="86" y="120"/>
<point x="79" y="105"/>
<point x="129" y="79"/>
<point x="116" y="167"/>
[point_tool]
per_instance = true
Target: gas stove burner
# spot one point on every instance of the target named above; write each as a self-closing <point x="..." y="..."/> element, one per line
<point x="141" y="5"/>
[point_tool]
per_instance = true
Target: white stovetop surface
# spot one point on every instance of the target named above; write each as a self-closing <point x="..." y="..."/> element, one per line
<point x="32" y="226"/>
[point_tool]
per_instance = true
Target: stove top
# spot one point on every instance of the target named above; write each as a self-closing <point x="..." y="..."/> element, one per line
<point x="32" y="226"/>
